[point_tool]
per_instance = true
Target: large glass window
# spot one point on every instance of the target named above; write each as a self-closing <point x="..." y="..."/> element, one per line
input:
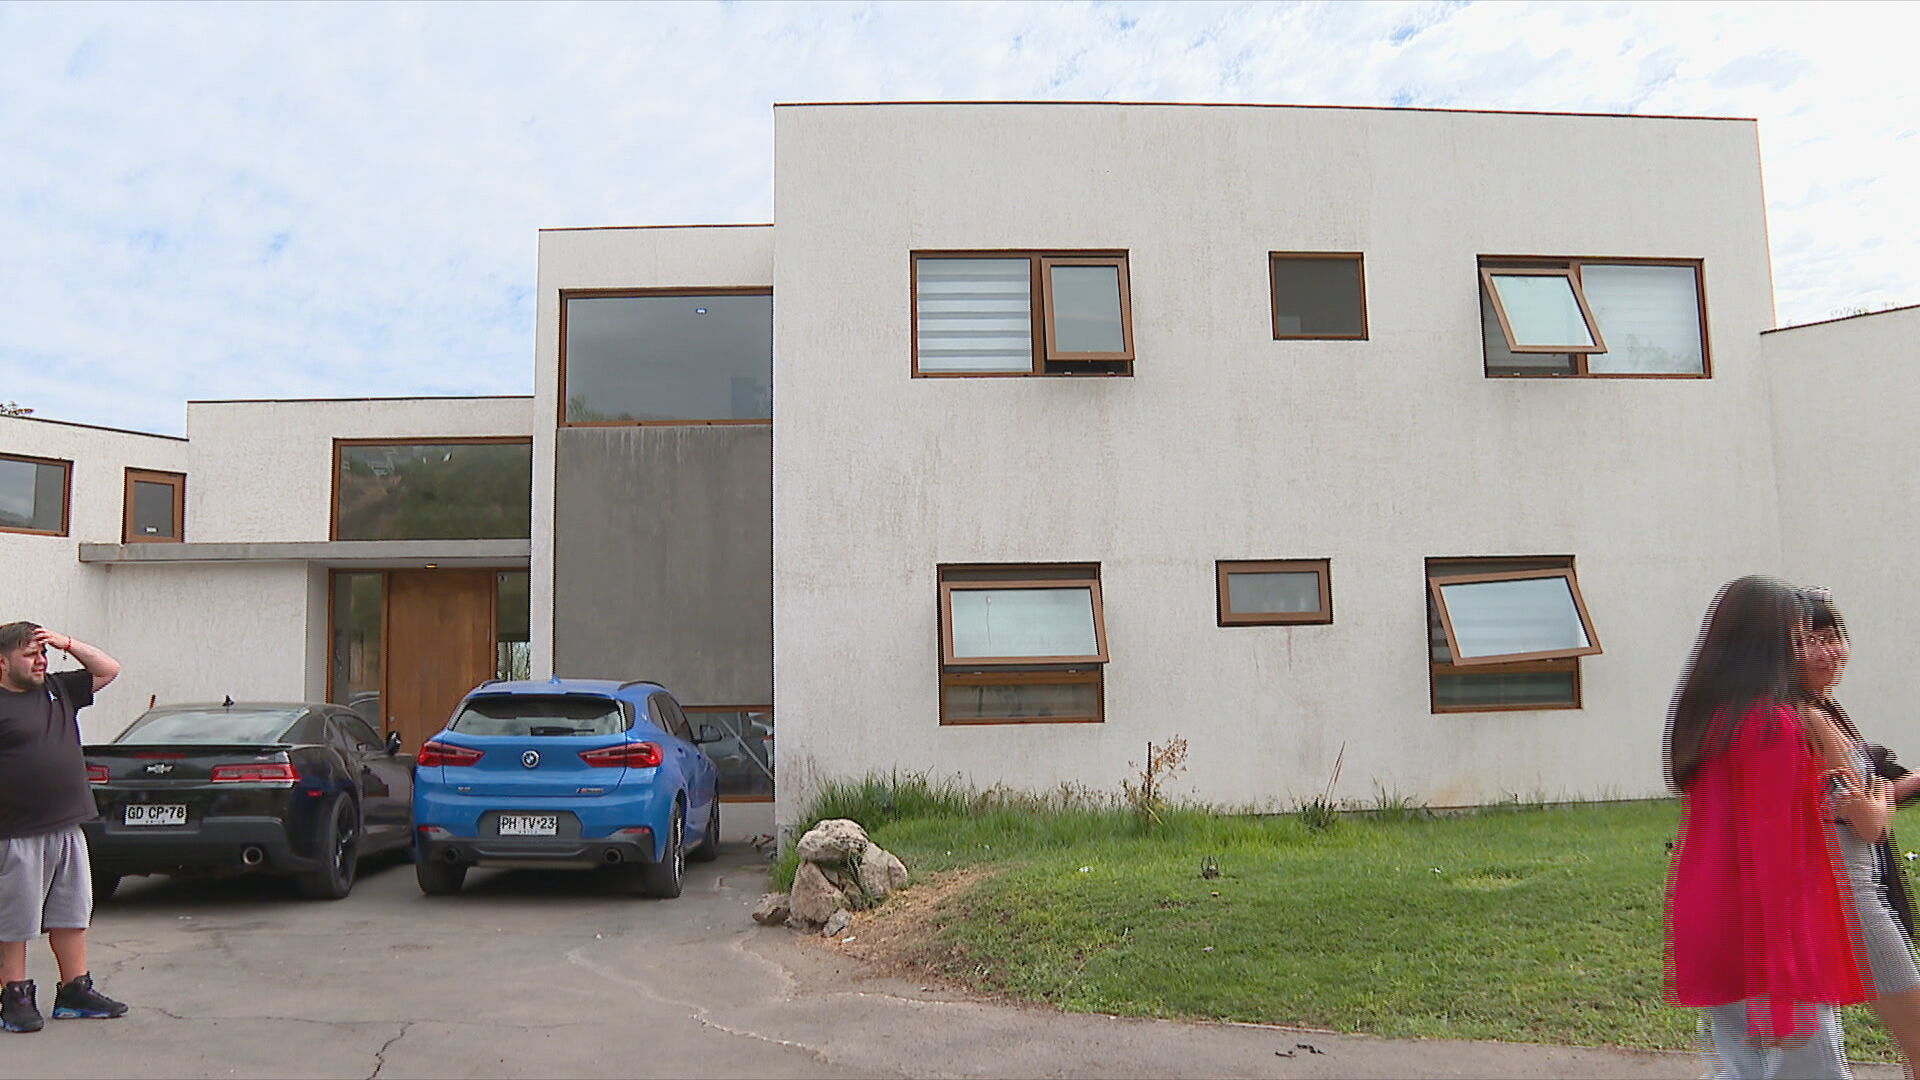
<point x="1022" y="313"/>
<point x="1318" y="295"/>
<point x="1593" y="317"/>
<point x="359" y="600"/>
<point x="1506" y="633"/>
<point x="447" y="490"/>
<point x="667" y="358"/>
<point x="33" y="494"/>
<point x="1021" y="644"/>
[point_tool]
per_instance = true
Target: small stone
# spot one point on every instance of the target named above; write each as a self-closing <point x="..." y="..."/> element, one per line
<point x="836" y="923"/>
<point x="772" y="910"/>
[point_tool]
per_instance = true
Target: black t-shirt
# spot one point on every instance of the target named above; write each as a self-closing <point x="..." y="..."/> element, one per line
<point x="43" y="774"/>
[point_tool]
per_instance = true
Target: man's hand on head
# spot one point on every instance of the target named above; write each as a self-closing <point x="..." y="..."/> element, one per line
<point x="52" y="640"/>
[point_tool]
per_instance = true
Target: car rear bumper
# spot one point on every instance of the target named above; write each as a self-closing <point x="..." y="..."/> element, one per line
<point x="229" y="843"/>
<point x="536" y="853"/>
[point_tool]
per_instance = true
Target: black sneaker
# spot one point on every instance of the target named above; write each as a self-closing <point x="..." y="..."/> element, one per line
<point x="79" y="1000"/>
<point x="18" y="1010"/>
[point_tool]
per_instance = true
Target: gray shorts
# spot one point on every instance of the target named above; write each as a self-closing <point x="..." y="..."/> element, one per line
<point x="45" y="884"/>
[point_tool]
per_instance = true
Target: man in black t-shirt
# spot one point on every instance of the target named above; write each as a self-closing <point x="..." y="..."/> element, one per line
<point x="45" y="882"/>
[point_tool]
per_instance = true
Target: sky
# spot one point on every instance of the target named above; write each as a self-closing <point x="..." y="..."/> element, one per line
<point x="342" y="200"/>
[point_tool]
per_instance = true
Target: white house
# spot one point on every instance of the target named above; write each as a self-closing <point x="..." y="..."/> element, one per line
<point x="1420" y="435"/>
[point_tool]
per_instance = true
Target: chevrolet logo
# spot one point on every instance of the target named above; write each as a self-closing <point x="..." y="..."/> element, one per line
<point x="160" y="768"/>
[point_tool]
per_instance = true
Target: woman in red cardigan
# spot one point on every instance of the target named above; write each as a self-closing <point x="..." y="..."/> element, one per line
<point x="1760" y="931"/>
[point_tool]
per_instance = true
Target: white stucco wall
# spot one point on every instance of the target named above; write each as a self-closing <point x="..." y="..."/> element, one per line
<point x="45" y="580"/>
<point x="693" y="256"/>
<point x="1846" y="396"/>
<point x="1227" y="444"/>
<point x="265" y="468"/>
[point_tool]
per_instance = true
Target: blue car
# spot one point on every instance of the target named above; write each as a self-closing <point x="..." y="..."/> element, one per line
<point x="566" y="774"/>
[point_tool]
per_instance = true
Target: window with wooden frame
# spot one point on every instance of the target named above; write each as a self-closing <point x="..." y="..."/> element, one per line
<point x="35" y="494"/>
<point x="455" y="488"/>
<point x="1274" y="592"/>
<point x="635" y="357"/>
<point x="155" y="508"/>
<point x="1021" y="313"/>
<point x="1318" y="295"/>
<point x="1594" y="318"/>
<point x="1021" y="644"/>
<point x="1506" y="633"/>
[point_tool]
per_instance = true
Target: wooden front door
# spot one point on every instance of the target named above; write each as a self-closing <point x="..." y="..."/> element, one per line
<point x="440" y="643"/>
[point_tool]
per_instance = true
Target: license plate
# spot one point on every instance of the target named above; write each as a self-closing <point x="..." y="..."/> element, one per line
<point x="156" y="814"/>
<point x="529" y="824"/>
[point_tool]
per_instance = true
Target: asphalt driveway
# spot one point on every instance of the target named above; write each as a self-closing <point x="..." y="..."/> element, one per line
<point x="556" y="975"/>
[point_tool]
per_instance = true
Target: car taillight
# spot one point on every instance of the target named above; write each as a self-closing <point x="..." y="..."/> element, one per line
<point x="439" y="753"/>
<point x="96" y="774"/>
<point x="270" y="772"/>
<point x="633" y="755"/>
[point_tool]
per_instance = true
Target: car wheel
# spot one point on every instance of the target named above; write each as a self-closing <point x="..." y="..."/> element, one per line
<point x="439" y="878"/>
<point x="663" y="879"/>
<point x="339" y="854"/>
<point x="709" y="848"/>
<point x="104" y="886"/>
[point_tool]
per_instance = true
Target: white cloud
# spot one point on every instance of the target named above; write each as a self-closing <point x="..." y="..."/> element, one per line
<point x="341" y="200"/>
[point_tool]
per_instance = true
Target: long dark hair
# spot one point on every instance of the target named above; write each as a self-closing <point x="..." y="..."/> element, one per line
<point x="1822" y="616"/>
<point x="1744" y="657"/>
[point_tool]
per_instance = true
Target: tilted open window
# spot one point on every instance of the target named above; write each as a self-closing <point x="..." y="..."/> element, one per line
<point x="1506" y="633"/>
<point x="1021" y="644"/>
<point x="1593" y="317"/>
<point x="1022" y="313"/>
<point x="35" y="494"/>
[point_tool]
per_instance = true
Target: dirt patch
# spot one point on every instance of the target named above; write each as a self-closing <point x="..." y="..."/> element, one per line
<point x="896" y="938"/>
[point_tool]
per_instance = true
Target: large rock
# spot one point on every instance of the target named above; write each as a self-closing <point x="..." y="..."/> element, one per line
<point x="814" y="898"/>
<point x="836" y="840"/>
<point x="881" y="872"/>
<point x="772" y="910"/>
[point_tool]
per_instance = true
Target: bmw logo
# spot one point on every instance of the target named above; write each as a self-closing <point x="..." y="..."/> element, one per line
<point x="530" y="758"/>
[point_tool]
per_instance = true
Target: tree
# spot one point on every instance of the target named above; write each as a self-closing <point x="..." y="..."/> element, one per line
<point x="14" y="408"/>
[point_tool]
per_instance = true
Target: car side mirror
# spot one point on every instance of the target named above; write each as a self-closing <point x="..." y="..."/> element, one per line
<point x="393" y="743"/>
<point x="708" y="733"/>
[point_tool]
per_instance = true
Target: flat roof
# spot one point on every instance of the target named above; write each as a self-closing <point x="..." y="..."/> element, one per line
<point x="98" y="427"/>
<point x="1268" y="105"/>
<point x="720" y="225"/>
<point x="404" y="397"/>
<point x="1842" y="318"/>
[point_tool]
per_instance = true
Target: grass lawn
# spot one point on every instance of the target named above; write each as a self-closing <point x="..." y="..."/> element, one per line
<point x="1529" y="924"/>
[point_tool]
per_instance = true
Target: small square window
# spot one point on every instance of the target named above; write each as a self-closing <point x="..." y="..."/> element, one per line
<point x="156" y="508"/>
<point x="1318" y="295"/>
<point x="1021" y="644"/>
<point x="1273" y="593"/>
<point x="1022" y="313"/>
<point x="34" y="494"/>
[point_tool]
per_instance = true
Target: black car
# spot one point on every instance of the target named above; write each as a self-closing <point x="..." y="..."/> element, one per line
<point x="302" y="789"/>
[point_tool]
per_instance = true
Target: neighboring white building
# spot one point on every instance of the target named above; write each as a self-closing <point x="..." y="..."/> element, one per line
<point x="1097" y="424"/>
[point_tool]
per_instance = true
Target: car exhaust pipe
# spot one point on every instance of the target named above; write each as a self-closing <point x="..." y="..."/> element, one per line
<point x="611" y="856"/>
<point x="450" y="855"/>
<point x="252" y="856"/>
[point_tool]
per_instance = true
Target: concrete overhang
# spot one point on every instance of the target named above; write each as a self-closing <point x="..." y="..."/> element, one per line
<point x="343" y="554"/>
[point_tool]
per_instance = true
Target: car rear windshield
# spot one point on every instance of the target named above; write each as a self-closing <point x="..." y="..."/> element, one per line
<point x="516" y="715"/>
<point x="215" y="725"/>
